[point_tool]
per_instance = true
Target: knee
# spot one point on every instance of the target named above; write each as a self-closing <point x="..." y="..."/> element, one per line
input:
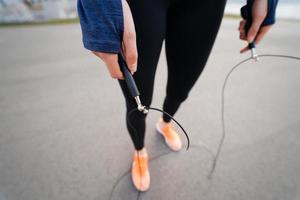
<point x="136" y="116"/>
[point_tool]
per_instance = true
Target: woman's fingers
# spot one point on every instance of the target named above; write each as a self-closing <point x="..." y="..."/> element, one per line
<point x="259" y="12"/>
<point x="256" y="32"/>
<point x="243" y="50"/>
<point x="129" y="39"/>
<point x="242" y="31"/>
<point x="260" y="35"/>
<point x="128" y="46"/>
<point x="111" y="62"/>
<point x="243" y="34"/>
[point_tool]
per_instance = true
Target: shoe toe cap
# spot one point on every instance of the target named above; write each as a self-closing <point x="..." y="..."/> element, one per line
<point x="175" y="145"/>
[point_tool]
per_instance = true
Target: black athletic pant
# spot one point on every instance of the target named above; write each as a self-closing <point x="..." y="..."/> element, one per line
<point x="189" y="28"/>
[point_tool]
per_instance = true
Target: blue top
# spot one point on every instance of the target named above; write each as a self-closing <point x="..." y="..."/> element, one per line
<point x="102" y="22"/>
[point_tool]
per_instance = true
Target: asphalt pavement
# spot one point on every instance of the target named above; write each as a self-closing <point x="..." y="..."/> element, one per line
<point x="63" y="133"/>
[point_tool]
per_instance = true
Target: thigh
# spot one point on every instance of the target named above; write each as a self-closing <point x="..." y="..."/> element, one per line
<point x="192" y="27"/>
<point x="150" y="23"/>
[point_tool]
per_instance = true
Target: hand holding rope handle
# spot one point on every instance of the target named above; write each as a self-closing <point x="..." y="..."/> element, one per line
<point x="131" y="83"/>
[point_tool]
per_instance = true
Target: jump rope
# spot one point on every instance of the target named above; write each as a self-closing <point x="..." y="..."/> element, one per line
<point x="144" y="109"/>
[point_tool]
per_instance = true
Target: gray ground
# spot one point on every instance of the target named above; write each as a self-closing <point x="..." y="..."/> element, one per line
<point x="63" y="135"/>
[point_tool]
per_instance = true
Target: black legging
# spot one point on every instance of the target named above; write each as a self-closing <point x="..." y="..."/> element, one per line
<point x="189" y="28"/>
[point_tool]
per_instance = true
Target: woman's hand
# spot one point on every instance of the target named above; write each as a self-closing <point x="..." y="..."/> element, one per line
<point x="256" y="32"/>
<point x="128" y="46"/>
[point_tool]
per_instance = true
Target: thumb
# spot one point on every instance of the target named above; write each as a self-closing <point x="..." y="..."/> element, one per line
<point x="253" y="30"/>
<point x="259" y="12"/>
<point x="129" y="39"/>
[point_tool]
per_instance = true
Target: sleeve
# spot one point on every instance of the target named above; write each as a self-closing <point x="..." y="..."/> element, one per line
<point x="271" y="15"/>
<point x="101" y="24"/>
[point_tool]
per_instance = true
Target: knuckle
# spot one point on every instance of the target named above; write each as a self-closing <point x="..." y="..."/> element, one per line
<point x="115" y="76"/>
<point x="132" y="56"/>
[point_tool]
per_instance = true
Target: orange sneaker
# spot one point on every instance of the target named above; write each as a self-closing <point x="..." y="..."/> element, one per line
<point x="139" y="171"/>
<point x="171" y="137"/>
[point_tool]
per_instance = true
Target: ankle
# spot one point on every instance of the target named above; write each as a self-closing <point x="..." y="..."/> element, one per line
<point x="141" y="152"/>
<point x="163" y="123"/>
<point x="165" y="119"/>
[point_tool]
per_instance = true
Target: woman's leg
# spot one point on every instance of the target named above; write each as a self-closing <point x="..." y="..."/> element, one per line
<point x="150" y="23"/>
<point x="192" y="27"/>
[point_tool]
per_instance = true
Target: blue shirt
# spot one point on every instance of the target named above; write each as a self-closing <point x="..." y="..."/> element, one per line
<point x="102" y="22"/>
